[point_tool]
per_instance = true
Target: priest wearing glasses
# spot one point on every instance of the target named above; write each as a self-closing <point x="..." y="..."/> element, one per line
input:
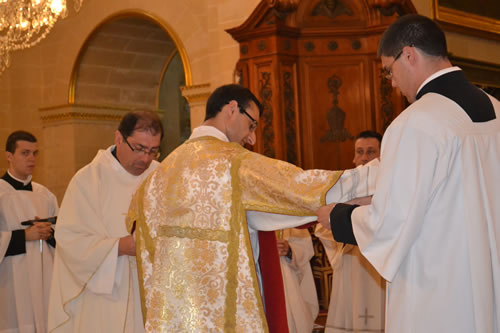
<point x="95" y="286"/>
<point x="433" y="227"/>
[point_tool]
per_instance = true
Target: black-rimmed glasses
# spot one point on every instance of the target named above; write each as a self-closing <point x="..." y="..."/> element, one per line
<point x="153" y="152"/>
<point x="387" y="72"/>
<point x="254" y="125"/>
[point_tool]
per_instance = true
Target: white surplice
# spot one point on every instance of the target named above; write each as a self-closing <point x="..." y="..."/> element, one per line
<point x="298" y="283"/>
<point x="94" y="289"/>
<point x="357" y="302"/>
<point x="433" y="229"/>
<point x="24" y="278"/>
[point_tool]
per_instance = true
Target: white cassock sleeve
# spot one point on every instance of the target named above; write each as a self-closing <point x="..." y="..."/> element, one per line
<point x="386" y="229"/>
<point x="4" y="243"/>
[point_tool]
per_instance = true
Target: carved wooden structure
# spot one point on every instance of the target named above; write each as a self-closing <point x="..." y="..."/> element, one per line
<point x="314" y="66"/>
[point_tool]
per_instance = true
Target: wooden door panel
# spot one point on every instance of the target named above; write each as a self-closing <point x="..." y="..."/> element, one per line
<point x="335" y="108"/>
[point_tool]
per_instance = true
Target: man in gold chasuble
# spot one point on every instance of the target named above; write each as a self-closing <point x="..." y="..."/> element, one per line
<point x="198" y="214"/>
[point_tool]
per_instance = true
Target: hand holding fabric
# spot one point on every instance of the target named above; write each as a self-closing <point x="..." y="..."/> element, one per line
<point x="283" y="247"/>
<point x="126" y="246"/>
<point x="323" y="214"/>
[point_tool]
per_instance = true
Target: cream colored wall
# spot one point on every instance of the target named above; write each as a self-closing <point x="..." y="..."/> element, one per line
<point x="40" y="77"/>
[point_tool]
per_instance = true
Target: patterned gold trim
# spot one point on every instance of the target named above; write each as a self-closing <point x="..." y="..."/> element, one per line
<point x="233" y="250"/>
<point x="193" y="233"/>
<point x="138" y="13"/>
<point x="140" y="238"/>
<point x="238" y="213"/>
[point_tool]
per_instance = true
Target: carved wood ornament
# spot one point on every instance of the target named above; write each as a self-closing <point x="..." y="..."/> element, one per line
<point x="314" y="66"/>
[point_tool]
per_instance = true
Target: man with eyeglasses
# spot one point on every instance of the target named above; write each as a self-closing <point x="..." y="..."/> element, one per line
<point x="198" y="217"/>
<point x="94" y="285"/>
<point x="26" y="249"/>
<point x="433" y="227"/>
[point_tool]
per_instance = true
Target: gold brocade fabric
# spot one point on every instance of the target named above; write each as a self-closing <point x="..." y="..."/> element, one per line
<point x="194" y="258"/>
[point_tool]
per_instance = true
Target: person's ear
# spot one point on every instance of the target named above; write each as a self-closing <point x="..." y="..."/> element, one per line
<point x="411" y="54"/>
<point x="118" y="137"/>
<point x="8" y="156"/>
<point x="234" y="106"/>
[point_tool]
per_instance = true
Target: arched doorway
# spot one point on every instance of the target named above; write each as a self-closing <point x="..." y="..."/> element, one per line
<point x="132" y="62"/>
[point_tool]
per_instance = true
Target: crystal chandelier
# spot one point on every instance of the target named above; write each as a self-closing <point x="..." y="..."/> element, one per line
<point x="24" y="23"/>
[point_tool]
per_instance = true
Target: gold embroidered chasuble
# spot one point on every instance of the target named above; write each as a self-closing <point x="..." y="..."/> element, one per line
<point x="194" y="255"/>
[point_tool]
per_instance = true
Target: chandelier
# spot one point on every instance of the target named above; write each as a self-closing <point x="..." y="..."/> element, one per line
<point x="24" y="23"/>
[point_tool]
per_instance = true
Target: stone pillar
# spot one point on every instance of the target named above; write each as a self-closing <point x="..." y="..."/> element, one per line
<point x="72" y="135"/>
<point x="197" y="96"/>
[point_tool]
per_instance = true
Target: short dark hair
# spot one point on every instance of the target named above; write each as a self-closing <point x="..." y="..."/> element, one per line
<point x="370" y="134"/>
<point x="142" y="121"/>
<point x="413" y="30"/>
<point x="11" y="143"/>
<point x="227" y="93"/>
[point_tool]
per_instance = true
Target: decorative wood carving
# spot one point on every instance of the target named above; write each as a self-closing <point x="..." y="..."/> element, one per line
<point x="336" y="116"/>
<point x="387" y="108"/>
<point x="265" y="95"/>
<point x="331" y="8"/>
<point x="298" y="55"/>
<point x="291" y="129"/>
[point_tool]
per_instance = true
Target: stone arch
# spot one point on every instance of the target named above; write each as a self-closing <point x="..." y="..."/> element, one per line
<point x="65" y="44"/>
<point x="122" y="61"/>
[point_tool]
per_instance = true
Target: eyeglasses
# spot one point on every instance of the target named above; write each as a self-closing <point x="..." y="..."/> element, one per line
<point x="153" y="152"/>
<point x="387" y="72"/>
<point x="253" y="127"/>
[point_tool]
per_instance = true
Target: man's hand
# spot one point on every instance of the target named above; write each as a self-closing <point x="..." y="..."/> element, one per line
<point x="126" y="246"/>
<point x="324" y="215"/>
<point x="283" y="247"/>
<point x="39" y="230"/>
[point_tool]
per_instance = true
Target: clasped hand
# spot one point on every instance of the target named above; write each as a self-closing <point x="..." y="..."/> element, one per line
<point x="38" y="231"/>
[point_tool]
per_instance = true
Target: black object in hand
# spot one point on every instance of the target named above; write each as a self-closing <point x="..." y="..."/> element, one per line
<point x="48" y="219"/>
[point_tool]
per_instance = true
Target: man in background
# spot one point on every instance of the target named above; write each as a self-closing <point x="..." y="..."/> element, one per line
<point x="26" y="252"/>
<point x="357" y="302"/>
<point x="366" y="147"/>
<point x="95" y="287"/>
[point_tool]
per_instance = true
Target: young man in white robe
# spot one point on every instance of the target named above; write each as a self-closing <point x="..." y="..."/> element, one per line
<point x="201" y="263"/>
<point x="26" y="252"/>
<point x="94" y="285"/>
<point x="433" y="227"/>
<point x="357" y="302"/>
<point x="295" y="248"/>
